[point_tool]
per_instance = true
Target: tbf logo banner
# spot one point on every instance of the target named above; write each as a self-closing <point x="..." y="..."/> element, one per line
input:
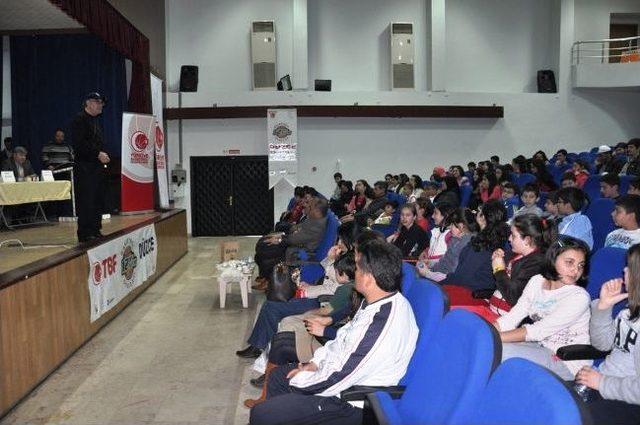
<point x="282" y="137"/>
<point x="119" y="266"/>
<point x="138" y="142"/>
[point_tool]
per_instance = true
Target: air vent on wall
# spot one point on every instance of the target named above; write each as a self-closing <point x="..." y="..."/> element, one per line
<point x="402" y="56"/>
<point x="263" y="55"/>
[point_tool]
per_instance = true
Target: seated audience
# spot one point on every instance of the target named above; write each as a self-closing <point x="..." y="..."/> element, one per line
<point x="474" y="265"/>
<point x="503" y="174"/>
<point x="610" y="186"/>
<point x="462" y="227"/>
<point x="430" y="191"/>
<point x="551" y="206"/>
<point x="568" y="179"/>
<point x="359" y="199"/>
<point x="620" y="150"/>
<point x="510" y="198"/>
<point x="416" y="182"/>
<point x="339" y="206"/>
<point x="471" y="167"/>
<point x="337" y="178"/>
<point x="385" y="217"/>
<point x="616" y="382"/>
<point x="561" y="158"/>
<point x="625" y="216"/>
<point x="605" y="162"/>
<point x="57" y="152"/>
<point x="632" y="166"/>
<point x="634" y="187"/>
<point x="424" y="207"/>
<point x="438" y="174"/>
<point x="580" y="172"/>
<point x="19" y="164"/>
<point x="519" y="164"/>
<point x="410" y="238"/>
<point x="393" y="184"/>
<point x="440" y="235"/>
<point x="558" y="307"/>
<point x="296" y="211"/>
<point x="489" y="188"/>
<point x="544" y="179"/>
<point x="274" y="248"/>
<point x="376" y="206"/>
<point x="540" y="156"/>
<point x="495" y="161"/>
<point x="530" y="197"/>
<point x="571" y="200"/>
<point x="450" y="192"/>
<point x="408" y="191"/>
<point x="458" y="172"/>
<point x="372" y="349"/>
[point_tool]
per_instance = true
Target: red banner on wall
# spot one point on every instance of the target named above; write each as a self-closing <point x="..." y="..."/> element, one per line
<point x="138" y="141"/>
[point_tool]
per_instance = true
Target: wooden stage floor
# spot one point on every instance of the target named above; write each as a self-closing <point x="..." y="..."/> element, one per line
<point x="42" y="241"/>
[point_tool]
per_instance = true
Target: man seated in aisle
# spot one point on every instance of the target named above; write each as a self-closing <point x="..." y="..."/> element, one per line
<point x="374" y="348"/>
<point x="626" y="216"/>
<point x="632" y="166"/>
<point x="57" y="152"/>
<point x="274" y="248"/>
<point x="19" y="164"/>
<point x="610" y="186"/>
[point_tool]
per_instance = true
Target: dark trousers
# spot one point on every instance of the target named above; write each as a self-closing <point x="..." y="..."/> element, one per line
<point x="89" y="192"/>
<point x="272" y="312"/>
<point x="285" y="406"/>
<point x="267" y="256"/>
<point x="617" y="412"/>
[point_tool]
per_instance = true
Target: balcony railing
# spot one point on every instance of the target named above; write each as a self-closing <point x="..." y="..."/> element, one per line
<point x="605" y="51"/>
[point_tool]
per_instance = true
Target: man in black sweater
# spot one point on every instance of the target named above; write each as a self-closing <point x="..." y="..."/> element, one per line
<point x="89" y="167"/>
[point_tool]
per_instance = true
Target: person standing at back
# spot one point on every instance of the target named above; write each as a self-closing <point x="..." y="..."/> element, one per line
<point x="91" y="159"/>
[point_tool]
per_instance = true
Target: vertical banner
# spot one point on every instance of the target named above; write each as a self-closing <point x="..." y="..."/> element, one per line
<point x="282" y="137"/>
<point x="119" y="266"/>
<point x="161" y="159"/>
<point x="138" y="141"/>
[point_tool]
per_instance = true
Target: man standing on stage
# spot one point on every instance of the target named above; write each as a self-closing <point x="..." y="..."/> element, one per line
<point x="90" y="161"/>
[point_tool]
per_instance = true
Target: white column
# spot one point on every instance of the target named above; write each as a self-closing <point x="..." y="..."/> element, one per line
<point x="300" y="77"/>
<point x="438" y="55"/>
<point x="567" y="35"/>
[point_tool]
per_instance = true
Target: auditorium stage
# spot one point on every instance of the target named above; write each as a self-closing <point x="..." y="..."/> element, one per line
<point x="45" y="308"/>
<point x="42" y="241"/>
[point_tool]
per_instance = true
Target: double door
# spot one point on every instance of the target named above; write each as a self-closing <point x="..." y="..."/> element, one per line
<point x="230" y="196"/>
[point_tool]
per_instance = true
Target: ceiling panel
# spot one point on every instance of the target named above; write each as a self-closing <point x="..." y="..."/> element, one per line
<point x="18" y="15"/>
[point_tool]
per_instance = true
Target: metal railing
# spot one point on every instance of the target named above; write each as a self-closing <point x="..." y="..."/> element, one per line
<point x="600" y="51"/>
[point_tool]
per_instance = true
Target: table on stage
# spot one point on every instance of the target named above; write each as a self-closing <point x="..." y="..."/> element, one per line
<point x="32" y="192"/>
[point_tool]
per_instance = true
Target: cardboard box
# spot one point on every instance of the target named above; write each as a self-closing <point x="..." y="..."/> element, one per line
<point x="229" y="251"/>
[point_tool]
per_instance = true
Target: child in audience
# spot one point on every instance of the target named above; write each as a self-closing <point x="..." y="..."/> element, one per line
<point x="410" y="238"/>
<point x="474" y="266"/>
<point x="440" y="235"/>
<point x="386" y="216"/>
<point x="610" y="186"/>
<point x="568" y="180"/>
<point x="407" y="190"/>
<point x="417" y="183"/>
<point x="558" y="307"/>
<point x="458" y="172"/>
<point x="551" y="206"/>
<point x="430" y="190"/>
<point x="489" y="188"/>
<point x="471" y="167"/>
<point x="510" y="198"/>
<point x="581" y="172"/>
<point x="617" y="380"/>
<point x="530" y="197"/>
<point x="425" y="210"/>
<point x="625" y="216"/>
<point x="544" y="179"/>
<point x="561" y="158"/>
<point x="574" y="223"/>
<point x="634" y="187"/>
<point x="462" y="226"/>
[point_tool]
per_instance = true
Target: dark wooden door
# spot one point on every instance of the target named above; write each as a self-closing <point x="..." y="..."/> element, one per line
<point x="230" y="196"/>
<point x="622" y="31"/>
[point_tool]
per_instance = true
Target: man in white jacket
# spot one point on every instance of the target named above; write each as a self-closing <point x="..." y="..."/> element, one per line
<point x="373" y="349"/>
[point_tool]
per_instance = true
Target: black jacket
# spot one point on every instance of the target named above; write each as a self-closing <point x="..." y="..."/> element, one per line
<point x="88" y="140"/>
<point x="10" y="165"/>
<point x="412" y="241"/>
<point x="522" y="270"/>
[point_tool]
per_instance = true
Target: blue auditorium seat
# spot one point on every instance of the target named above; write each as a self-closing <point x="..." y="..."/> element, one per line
<point x="408" y="277"/>
<point x="311" y="272"/>
<point x="605" y="264"/>
<point x="592" y="187"/>
<point x="465" y="195"/>
<point x="523" y="178"/>
<point x="599" y="212"/>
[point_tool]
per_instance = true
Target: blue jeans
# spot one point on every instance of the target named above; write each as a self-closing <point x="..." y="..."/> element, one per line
<point x="272" y="312"/>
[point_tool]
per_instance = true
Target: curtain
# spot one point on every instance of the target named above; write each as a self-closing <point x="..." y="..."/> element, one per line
<point x="105" y="21"/>
<point x="51" y="75"/>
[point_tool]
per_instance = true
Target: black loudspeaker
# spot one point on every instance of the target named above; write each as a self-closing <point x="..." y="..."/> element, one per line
<point x="323" y="85"/>
<point x="188" y="78"/>
<point x="546" y="81"/>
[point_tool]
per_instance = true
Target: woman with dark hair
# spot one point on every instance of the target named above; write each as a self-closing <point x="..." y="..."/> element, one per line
<point x="543" y="177"/>
<point x="402" y="180"/>
<point x="580" y="170"/>
<point x="458" y="172"/>
<point x="450" y="192"/>
<point x="519" y="164"/>
<point x="359" y="199"/>
<point x="540" y="156"/>
<point x="474" y="266"/>
<point x="410" y="238"/>
<point x="339" y="206"/>
<point x="571" y="200"/>
<point x="503" y="174"/>
<point x="615" y="398"/>
<point x="559" y="308"/>
<point x="489" y="188"/>
<point x="462" y="227"/>
<point x="424" y="207"/>
<point x="440" y="235"/>
<point x="416" y="182"/>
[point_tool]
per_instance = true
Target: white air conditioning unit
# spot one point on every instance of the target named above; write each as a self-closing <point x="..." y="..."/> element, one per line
<point x="402" y="56"/>
<point x="263" y="55"/>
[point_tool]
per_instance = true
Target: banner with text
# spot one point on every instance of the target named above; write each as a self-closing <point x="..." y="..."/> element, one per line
<point x="138" y="141"/>
<point x="161" y="156"/>
<point x="282" y="138"/>
<point x="118" y="267"/>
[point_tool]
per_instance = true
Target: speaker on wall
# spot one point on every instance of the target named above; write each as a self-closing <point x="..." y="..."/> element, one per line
<point x="188" y="78"/>
<point x="546" y="81"/>
<point x="323" y="85"/>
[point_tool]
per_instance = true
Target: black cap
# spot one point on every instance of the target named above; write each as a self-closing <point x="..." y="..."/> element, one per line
<point x="96" y="96"/>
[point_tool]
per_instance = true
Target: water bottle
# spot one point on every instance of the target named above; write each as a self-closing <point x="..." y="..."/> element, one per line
<point x="582" y="391"/>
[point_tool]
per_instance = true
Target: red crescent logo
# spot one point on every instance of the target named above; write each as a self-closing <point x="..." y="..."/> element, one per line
<point x="139" y="141"/>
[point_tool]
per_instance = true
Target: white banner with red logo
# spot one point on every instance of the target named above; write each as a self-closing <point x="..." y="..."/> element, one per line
<point x="138" y="141"/>
<point x="161" y="158"/>
<point x="118" y="267"/>
<point x="282" y="138"/>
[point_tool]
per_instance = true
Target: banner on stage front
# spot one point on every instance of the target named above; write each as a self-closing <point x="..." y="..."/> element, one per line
<point x="118" y="267"/>
<point x="282" y="138"/>
<point x="161" y="158"/>
<point x="138" y="141"/>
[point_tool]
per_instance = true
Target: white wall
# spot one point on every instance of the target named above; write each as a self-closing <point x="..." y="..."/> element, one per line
<point x="349" y="42"/>
<point x="368" y="148"/>
<point x="593" y="16"/>
<point x="498" y="46"/>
